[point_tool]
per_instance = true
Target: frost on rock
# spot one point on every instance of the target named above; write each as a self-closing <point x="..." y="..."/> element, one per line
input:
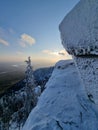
<point x="63" y="105"/>
<point x="88" y="68"/>
<point x="79" y="29"/>
<point x="79" y="33"/>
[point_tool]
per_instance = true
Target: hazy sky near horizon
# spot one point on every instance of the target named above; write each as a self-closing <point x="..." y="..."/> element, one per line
<point x="30" y="28"/>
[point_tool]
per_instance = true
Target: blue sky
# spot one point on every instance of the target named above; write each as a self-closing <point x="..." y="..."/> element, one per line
<point x="30" y="28"/>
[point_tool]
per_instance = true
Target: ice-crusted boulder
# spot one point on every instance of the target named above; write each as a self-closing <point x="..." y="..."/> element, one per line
<point x="79" y="34"/>
<point x="64" y="104"/>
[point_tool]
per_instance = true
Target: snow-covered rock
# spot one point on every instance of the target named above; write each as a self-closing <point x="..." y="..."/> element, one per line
<point x="37" y="90"/>
<point x="88" y="68"/>
<point x="79" y="33"/>
<point x="79" y="29"/>
<point x="64" y="104"/>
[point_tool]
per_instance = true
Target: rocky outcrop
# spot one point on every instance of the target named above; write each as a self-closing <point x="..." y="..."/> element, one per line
<point x="79" y="33"/>
<point x="64" y="104"/>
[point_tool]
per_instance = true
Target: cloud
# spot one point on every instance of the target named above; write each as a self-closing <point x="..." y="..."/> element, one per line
<point x="27" y="39"/>
<point x="62" y="52"/>
<point x="59" y="54"/>
<point x="4" y="42"/>
<point x="50" y="52"/>
<point x="65" y="54"/>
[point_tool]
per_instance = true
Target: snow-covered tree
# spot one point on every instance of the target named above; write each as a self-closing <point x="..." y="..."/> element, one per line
<point x="15" y="106"/>
<point x="29" y="74"/>
<point x="30" y="85"/>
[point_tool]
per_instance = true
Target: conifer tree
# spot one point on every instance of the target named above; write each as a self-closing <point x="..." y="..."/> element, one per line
<point x="30" y="85"/>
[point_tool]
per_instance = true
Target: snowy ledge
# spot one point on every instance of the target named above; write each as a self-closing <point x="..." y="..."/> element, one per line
<point x="64" y="104"/>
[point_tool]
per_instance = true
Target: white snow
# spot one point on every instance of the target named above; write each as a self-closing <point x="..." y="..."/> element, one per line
<point x="37" y="90"/>
<point x="64" y="104"/>
<point x="79" y="29"/>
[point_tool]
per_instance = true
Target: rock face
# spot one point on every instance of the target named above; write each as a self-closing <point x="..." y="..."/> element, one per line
<point x="79" y="29"/>
<point x="64" y="104"/>
<point x="88" y="68"/>
<point x="79" y="33"/>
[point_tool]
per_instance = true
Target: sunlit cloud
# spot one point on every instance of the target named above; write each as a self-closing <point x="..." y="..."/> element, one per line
<point x="49" y="52"/>
<point x="62" y="52"/>
<point x="4" y="42"/>
<point x="27" y="39"/>
<point x="65" y="54"/>
<point x="58" y="54"/>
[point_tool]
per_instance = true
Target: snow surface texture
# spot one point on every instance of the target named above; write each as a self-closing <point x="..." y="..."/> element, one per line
<point x="79" y="29"/>
<point x="88" y="68"/>
<point x="64" y="104"/>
